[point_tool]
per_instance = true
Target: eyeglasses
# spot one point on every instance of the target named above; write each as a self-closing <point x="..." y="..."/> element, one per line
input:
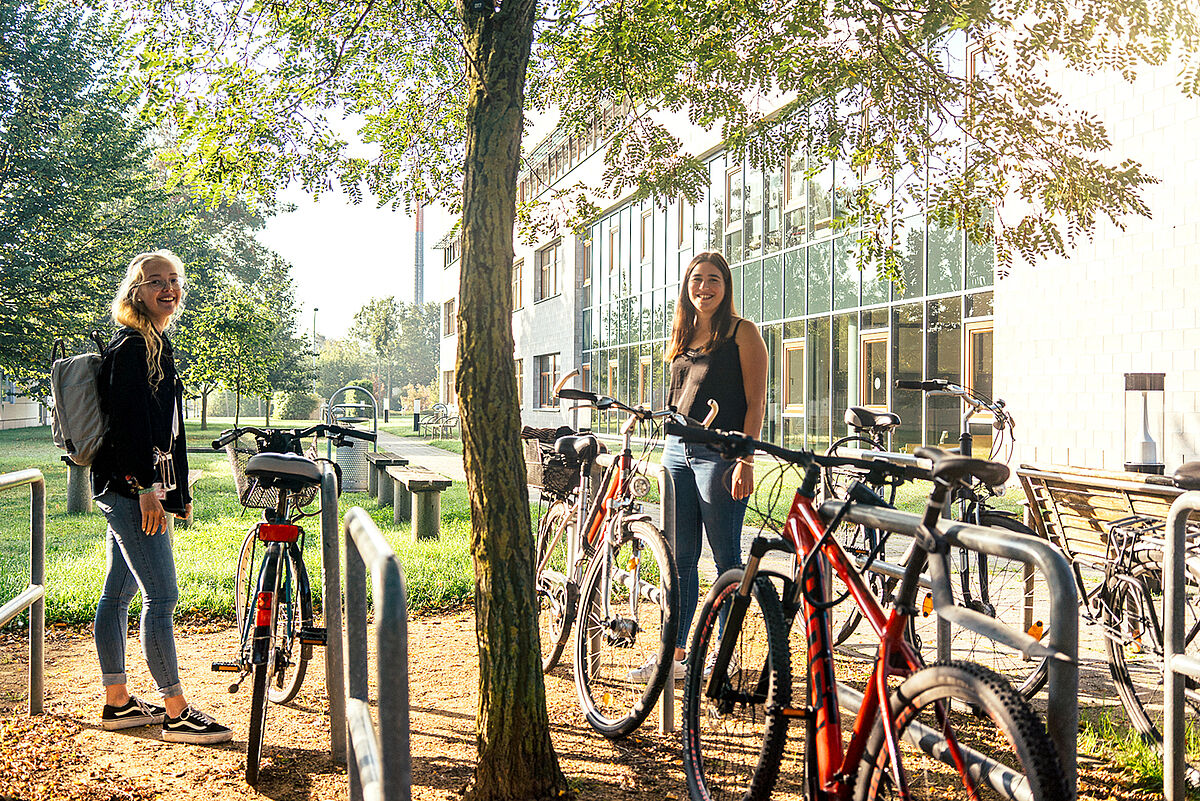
<point x="159" y="284"/>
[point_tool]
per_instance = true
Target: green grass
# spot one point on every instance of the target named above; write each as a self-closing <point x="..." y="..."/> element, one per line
<point x="438" y="573"/>
<point x="1102" y="737"/>
<point x="452" y="445"/>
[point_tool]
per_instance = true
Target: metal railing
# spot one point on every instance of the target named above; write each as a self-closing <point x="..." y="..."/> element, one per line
<point x="380" y="762"/>
<point x="32" y="597"/>
<point x="331" y="579"/>
<point x="1062" y="646"/>
<point x="1177" y="666"/>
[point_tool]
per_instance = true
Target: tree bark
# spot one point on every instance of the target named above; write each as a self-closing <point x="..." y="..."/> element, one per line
<point x="516" y="756"/>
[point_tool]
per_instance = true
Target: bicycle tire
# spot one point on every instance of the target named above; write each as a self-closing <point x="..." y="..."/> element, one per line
<point x="621" y="631"/>
<point x="557" y="597"/>
<point x="1134" y="645"/>
<point x="269" y="577"/>
<point x="984" y="713"/>
<point x="295" y="613"/>
<point x="1002" y="597"/>
<point x="732" y="749"/>
<point x="243" y="586"/>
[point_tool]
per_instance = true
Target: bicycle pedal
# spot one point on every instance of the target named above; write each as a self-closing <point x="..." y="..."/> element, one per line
<point x="227" y="667"/>
<point x="312" y="636"/>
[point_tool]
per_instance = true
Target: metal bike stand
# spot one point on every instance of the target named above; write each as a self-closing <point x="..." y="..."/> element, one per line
<point x="331" y="575"/>
<point x="1176" y="664"/>
<point x="666" y="494"/>
<point x="1062" y="647"/>
<point x="33" y="597"/>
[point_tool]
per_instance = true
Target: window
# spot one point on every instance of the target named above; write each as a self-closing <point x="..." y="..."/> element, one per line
<point x="647" y="236"/>
<point x="549" y="271"/>
<point x="873" y="383"/>
<point x="613" y="374"/>
<point x="448" y="395"/>
<point x="547" y="368"/>
<point x="614" y="234"/>
<point x="587" y="262"/>
<point x="519" y="368"/>
<point x="979" y="358"/>
<point x="449" y="319"/>
<point x="793" y="181"/>
<point x="733" y="196"/>
<point x="517" y="283"/>
<point x="793" y="377"/>
<point x="681" y="205"/>
<point x="644" y="380"/>
<point x="585" y="376"/>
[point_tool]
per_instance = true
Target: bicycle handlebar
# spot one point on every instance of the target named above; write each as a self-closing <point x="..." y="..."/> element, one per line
<point x="974" y="399"/>
<point x="334" y="432"/>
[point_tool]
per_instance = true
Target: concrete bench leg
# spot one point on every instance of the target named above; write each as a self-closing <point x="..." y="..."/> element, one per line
<point x="402" y="509"/>
<point x="372" y="480"/>
<point x="427" y="515"/>
<point x="387" y="491"/>
<point x="79" y="489"/>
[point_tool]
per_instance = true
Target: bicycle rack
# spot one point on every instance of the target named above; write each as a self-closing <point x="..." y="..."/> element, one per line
<point x="1176" y="664"/>
<point x="1062" y="696"/>
<point x="32" y="597"/>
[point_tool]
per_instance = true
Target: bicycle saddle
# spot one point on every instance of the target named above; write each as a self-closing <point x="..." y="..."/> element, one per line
<point x="289" y="471"/>
<point x="958" y="468"/>
<point x="860" y="419"/>
<point x="583" y="447"/>
<point x="1187" y="476"/>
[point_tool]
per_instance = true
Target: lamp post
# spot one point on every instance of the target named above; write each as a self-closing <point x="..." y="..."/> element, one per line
<point x="314" y="344"/>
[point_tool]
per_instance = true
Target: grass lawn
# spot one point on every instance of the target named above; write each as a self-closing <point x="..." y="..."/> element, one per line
<point x="438" y="573"/>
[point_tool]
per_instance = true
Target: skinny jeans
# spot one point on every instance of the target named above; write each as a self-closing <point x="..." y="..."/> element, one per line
<point x="136" y="561"/>
<point x="703" y="502"/>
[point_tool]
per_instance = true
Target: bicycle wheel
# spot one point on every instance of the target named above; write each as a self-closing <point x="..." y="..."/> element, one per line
<point x="731" y="747"/>
<point x="998" y="587"/>
<point x="557" y="597"/>
<point x="628" y="617"/>
<point x="295" y="612"/>
<point x="838" y="479"/>
<point x="1134" y="643"/>
<point x="269" y="578"/>
<point x="985" y="715"/>
<point x="243" y="582"/>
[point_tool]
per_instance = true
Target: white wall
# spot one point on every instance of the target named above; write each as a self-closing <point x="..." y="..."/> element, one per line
<point x="1129" y="301"/>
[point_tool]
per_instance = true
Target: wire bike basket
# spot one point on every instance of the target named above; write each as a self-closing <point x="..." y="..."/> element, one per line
<point x="251" y="493"/>
<point x="555" y="473"/>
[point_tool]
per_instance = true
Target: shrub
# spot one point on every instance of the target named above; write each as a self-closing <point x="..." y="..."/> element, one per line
<point x="298" y="406"/>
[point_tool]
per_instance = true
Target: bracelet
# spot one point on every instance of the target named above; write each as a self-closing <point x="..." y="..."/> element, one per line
<point x="749" y="462"/>
<point x="145" y="491"/>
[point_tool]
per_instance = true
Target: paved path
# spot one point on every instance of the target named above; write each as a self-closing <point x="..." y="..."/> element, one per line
<point x="419" y="453"/>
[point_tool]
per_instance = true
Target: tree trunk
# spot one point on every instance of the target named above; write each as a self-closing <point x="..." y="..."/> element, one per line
<point x="204" y="409"/>
<point x="516" y="757"/>
<point x="267" y="406"/>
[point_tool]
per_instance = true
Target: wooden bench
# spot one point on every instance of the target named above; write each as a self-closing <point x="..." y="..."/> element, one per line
<point x="377" y="463"/>
<point x="425" y="509"/>
<point x="1075" y="507"/>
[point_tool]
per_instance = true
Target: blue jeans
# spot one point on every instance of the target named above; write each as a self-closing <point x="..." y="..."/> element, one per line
<point x="702" y="500"/>
<point x="136" y="561"/>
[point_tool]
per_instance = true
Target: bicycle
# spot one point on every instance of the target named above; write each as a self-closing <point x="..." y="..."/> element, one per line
<point x="998" y="587"/>
<point x="964" y="727"/>
<point x="629" y="605"/>
<point x="273" y="604"/>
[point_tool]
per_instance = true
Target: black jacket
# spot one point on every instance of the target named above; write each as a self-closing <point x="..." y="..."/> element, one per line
<point x="139" y="419"/>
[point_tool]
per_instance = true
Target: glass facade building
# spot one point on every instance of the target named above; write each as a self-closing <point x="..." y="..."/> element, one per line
<point x="837" y="336"/>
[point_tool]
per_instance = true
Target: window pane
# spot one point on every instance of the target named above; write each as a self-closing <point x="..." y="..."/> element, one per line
<point x="716" y="203"/>
<point x="845" y="273"/>
<point x="752" y="291"/>
<point x="981" y="262"/>
<point x="874" y="372"/>
<point x="793" y="377"/>
<point x="945" y="266"/>
<point x="772" y="289"/>
<point x="820" y="257"/>
<point x="981" y="361"/>
<point x="908" y="365"/>
<point x="737" y="288"/>
<point x="794" y="268"/>
<point x="773" y="239"/>
<point x="943" y="359"/>
<point x="819" y="201"/>
<point x="816" y="404"/>
<point x="979" y="304"/>
<point x="912" y="257"/>
<point x="845" y="369"/>
<point x="733" y="190"/>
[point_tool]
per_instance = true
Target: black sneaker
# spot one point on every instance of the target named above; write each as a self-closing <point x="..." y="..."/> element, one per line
<point x="193" y="726"/>
<point x="135" y="712"/>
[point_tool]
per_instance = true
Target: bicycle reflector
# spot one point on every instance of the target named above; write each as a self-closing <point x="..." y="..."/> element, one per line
<point x="262" y="609"/>
<point x="278" y="532"/>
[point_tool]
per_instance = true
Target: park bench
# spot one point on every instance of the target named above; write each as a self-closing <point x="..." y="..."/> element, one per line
<point x="1076" y="507"/>
<point x="418" y="496"/>
<point x="379" y="486"/>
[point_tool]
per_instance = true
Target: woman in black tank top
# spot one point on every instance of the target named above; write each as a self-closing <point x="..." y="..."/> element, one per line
<point x="714" y="355"/>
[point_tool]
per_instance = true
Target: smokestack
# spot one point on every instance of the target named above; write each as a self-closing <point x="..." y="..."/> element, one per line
<point x="419" y="288"/>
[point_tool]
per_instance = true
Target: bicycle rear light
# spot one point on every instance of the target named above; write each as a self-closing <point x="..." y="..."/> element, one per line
<point x="278" y="532"/>
<point x="262" y="609"/>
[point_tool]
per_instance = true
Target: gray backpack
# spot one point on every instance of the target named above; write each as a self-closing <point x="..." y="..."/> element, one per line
<point x="77" y="420"/>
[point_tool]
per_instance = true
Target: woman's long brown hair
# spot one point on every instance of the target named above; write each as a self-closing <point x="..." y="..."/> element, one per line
<point x="128" y="312"/>
<point x="684" y="325"/>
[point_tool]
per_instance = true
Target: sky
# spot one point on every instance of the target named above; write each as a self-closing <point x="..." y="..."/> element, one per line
<point x="343" y="255"/>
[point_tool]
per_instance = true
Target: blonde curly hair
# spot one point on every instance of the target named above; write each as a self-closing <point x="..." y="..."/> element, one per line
<point x="127" y="311"/>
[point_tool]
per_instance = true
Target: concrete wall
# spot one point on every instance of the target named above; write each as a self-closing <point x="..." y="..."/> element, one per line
<point x="1066" y="331"/>
<point x="21" y="413"/>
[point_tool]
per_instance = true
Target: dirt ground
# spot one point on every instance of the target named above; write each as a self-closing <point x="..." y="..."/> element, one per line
<point x="66" y="755"/>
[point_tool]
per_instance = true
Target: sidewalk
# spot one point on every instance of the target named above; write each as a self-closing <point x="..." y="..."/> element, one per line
<point x="418" y="453"/>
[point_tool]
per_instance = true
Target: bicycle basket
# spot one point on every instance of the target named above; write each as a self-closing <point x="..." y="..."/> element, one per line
<point x="250" y="492"/>
<point x="554" y="473"/>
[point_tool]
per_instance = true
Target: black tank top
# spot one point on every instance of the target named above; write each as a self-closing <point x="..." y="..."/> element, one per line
<point x="697" y="376"/>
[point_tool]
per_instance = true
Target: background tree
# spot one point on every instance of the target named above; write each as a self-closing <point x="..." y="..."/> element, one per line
<point x="289" y="367"/>
<point x="416" y="353"/>
<point x="259" y="116"/>
<point x="340" y="362"/>
<point x="377" y="324"/>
